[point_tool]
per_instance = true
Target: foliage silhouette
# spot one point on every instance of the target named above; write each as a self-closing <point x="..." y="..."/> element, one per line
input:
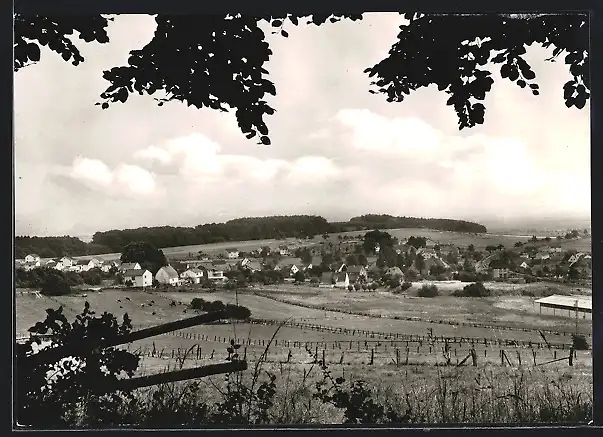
<point x="47" y="401"/>
<point x="215" y="63"/>
<point x="144" y="253"/>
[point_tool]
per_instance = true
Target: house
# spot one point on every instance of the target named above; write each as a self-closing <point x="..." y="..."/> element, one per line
<point x="524" y="265"/>
<point x="342" y="280"/>
<point x="32" y="258"/>
<point x="52" y="264"/>
<point x="232" y="254"/>
<point x="500" y="269"/>
<point x="289" y="269"/>
<point x="128" y="266"/>
<point x="357" y="270"/>
<point x="543" y="255"/>
<point x="244" y="262"/>
<point x="67" y="262"/>
<point x="167" y="275"/>
<point x="193" y="275"/>
<point x="94" y="263"/>
<point x="31" y="265"/>
<point x="327" y="280"/>
<point x="83" y="265"/>
<point x="341" y="268"/>
<point x="214" y="274"/>
<point x="575" y="257"/>
<point x="253" y="266"/>
<point x="138" y="278"/>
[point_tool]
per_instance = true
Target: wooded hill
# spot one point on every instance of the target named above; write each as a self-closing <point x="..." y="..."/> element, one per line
<point x="250" y="228"/>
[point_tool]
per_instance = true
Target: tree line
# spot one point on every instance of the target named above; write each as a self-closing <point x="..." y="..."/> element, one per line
<point x="251" y="228"/>
<point x="56" y="247"/>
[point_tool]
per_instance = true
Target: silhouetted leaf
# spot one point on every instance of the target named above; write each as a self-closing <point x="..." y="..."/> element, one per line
<point x="284" y="33"/>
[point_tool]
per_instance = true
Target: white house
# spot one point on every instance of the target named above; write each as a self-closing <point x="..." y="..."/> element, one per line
<point x="342" y="280"/>
<point x="215" y="274"/>
<point x="232" y="253"/>
<point x="574" y="258"/>
<point x="32" y="258"/>
<point x="67" y="262"/>
<point x="138" y="277"/>
<point x="94" y="263"/>
<point x="524" y="265"/>
<point x="167" y="275"/>
<point x="193" y="275"/>
<point x="129" y="266"/>
<point x="31" y="265"/>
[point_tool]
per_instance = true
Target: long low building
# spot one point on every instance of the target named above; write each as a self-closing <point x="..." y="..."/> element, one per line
<point x="581" y="304"/>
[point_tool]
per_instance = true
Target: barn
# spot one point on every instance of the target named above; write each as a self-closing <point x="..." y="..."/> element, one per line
<point x="572" y="304"/>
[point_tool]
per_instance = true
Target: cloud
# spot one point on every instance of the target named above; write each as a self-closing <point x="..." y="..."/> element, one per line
<point x="200" y="159"/>
<point x="125" y="179"/>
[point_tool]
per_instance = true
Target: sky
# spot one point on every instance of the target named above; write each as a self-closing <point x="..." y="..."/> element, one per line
<point x="337" y="150"/>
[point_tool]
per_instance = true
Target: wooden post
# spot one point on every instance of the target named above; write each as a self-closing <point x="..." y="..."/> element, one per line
<point x="571" y="357"/>
<point x="407" y="350"/>
<point x="372" y="357"/>
<point x="474" y="357"/>
<point x="323" y="357"/>
<point x="519" y="357"/>
<point x="502" y="358"/>
<point x="397" y="357"/>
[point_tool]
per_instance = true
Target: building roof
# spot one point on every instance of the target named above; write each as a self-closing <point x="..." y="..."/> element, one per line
<point x="128" y="266"/>
<point x="170" y="271"/>
<point x="134" y="272"/>
<point x="355" y="269"/>
<point x="35" y="255"/>
<point x="566" y="302"/>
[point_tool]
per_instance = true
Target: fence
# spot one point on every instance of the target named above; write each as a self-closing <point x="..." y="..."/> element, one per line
<point x="51" y="355"/>
<point x="363" y="353"/>
<point x="415" y="318"/>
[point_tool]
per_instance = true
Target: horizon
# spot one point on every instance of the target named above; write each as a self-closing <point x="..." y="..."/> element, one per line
<point x="337" y="150"/>
<point x="492" y="225"/>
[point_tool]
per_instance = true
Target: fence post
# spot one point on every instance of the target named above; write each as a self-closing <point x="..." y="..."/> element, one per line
<point x="519" y="358"/>
<point x="502" y="358"/>
<point x="323" y="357"/>
<point x="372" y="356"/>
<point x="407" y="350"/>
<point x="571" y="357"/>
<point x="397" y="357"/>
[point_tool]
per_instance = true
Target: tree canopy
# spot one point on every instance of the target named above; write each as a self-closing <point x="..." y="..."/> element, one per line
<point x="218" y="63"/>
<point x="144" y="253"/>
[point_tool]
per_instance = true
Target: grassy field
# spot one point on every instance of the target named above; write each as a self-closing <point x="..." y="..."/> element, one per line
<point x="399" y="371"/>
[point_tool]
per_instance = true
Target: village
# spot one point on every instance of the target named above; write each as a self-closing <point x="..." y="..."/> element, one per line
<point x="344" y="262"/>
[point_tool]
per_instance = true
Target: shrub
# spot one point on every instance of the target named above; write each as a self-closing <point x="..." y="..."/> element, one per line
<point x="473" y="290"/>
<point x="373" y="286"/>
<point x="579" y="342"/>
<point x="350" y="287"/>
<point x="406" y="285"/>
<point x="55" y="285"/>
<point x="428" y="291"/>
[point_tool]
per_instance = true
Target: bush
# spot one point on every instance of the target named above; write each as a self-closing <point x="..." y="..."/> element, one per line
<point x="232" y="311"/>
<point x="428" y="291"/>
<point x="55" y="285"/>
<point x="473" y="290"/>
<point x="406" y="285"/>
<point x="579" y="342"/>
<point x="373" y="286"/>
<point x="350" y="287"/>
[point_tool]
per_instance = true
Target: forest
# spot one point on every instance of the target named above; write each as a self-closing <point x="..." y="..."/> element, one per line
<point x="241" y="229"/>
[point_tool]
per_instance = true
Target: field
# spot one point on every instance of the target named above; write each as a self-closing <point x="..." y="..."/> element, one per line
<point x="400" y="357"/>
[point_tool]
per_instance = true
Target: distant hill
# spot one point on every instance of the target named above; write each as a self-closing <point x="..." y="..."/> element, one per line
<point x="242" y="229"/>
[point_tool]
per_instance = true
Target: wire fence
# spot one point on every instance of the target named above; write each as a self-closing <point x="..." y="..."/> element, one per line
<point x="417" y="319"/>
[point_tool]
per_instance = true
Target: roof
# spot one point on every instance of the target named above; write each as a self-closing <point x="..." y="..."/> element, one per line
<point x="567" y="302"/>
<point x="354" y="269"/>
<point x="35" y="255"/>
<point x="134" y="272"/>
<point x="171" y="272"/>
<point x="128" y="266"/>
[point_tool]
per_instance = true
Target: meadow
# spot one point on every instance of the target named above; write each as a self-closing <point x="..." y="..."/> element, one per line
<point x="402" y="360"/>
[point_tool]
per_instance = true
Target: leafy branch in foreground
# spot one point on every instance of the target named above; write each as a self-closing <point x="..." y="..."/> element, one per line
<point x="218" y="63"/>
